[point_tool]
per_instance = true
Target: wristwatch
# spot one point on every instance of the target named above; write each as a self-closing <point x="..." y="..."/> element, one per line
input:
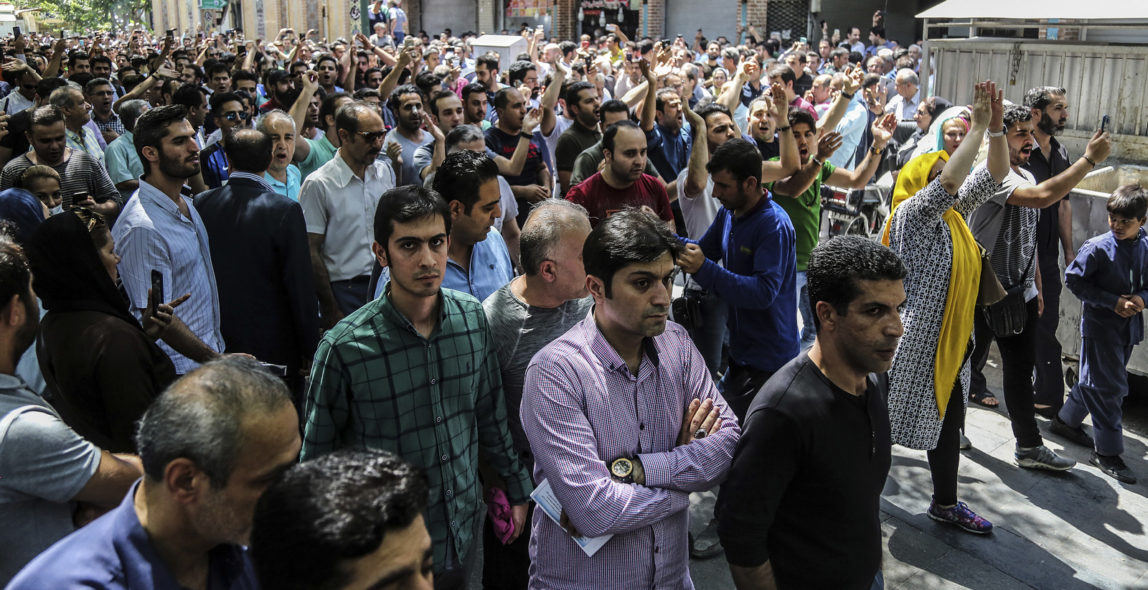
<point x="622" y="469"/>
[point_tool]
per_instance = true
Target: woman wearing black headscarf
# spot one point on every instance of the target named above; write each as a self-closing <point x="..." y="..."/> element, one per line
<point x="102" y="368"/>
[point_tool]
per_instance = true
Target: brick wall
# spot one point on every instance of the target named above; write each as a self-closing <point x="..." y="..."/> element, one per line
<point x="565" y="21"/>
<point x="656" y="14"/>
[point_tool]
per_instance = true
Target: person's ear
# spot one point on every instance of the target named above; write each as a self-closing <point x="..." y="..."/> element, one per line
<point x="596" y="287"/>
<point x="1036" y="114"/>
<point x="546" y="270"/>
<point x="184" y="481"/>
<point x="150" y="153"/>
<point x="826" y="314"/>
<point x="456" y="210"/>
<point x="380" y="253"/>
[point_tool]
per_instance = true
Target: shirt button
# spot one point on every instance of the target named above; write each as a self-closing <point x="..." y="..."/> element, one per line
<point x="433" y="381"/>
<point x="438" y="419"/>
<point x="642" y="426"/>
<point x="657" y="549"/>
<point x="454" y="524"/>
<point x="443" y="458"/>
<point x="449" y="494"/>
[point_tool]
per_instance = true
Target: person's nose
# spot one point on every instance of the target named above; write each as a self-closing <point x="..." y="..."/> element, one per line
<point x="896" y="327"/>
<point x="661" y="295"/>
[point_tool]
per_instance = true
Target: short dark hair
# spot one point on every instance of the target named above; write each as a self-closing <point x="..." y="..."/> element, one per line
<point x="630" y="236"/>
<point x="1015" y="113"/>
<point x="244" y="75"/>
<point x="737" y="156"/>
<point x="248" y="150"/>
<point x="408" y="203"/>
<point x="572" y="91"/>
<point x="327" y="107"/>
<point x="836" y="265"/>
<point x="326" y="57"/>
<point x="839" y="52"/>
<point x="46" y="86"/>
<point x="45" y="115"/>
<point x="219" y="99"/>
<point x="502" y="97"/>
<point x="612" y="132"/>
<point x="612" y="106"/>
<point x="490" y="60"/>
<point x="878" y="30"/>
<point x="472" y="88"/>
<point x="1130" y="200"/>
<point x="95" y="83"/>
<point x="427" y="82"/>
<point x="705" y="111"/>
<point x="347" y="117"/>
<point x="782" y="71"/>
<point x="663" y="96"/>
<point x="437" y="96"/>
<point x="200" y="416"/>
<point x="216" y="68"/>
<point x="100" y="59"/>
<point x="335" y="508"/>
<point x="801" y="116"/>
<point x="517" y="71"/>
<point x="394" y="101"/>
<point x="77" y="56"/>
<point x="189" y="95"/>
<point x="1041" y="96"/>
<point x="152" y="127"/>
<point x="15" y="273"/>
<point x="461" y="174"/>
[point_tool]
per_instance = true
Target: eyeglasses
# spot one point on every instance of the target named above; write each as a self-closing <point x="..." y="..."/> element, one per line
<point x="372" y="136"/>
<point x="237" y="116"/>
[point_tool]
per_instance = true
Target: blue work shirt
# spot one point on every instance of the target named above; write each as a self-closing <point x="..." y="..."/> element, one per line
<point x="490" y="269"/>
<point x="1104" y="269"/>
<point x="758" y="279"/>
<point x="115" y="552"/>
<point x="669" y="152"/>
<point x="290" y="189"/>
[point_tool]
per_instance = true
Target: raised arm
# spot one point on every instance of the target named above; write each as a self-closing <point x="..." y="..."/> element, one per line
<point x="790" y="161"/>
<point x="298" y="113"/>
<point x="857" y="178"/>
<point x="850" y="86"/>
<point x="696" y="175"/>
<point x="387" y="86"/>
<point x="550" y="98"/>
<point x="1052" y="190"/>
<point x="650" y="106"/>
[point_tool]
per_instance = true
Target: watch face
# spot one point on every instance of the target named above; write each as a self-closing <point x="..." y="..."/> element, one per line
<point x="621" y="467"/>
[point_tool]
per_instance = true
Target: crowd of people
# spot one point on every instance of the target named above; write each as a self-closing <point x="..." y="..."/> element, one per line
<point x="356" y="311"/>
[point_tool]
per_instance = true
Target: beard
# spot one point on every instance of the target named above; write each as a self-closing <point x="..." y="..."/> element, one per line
<point x="1048" y="126"/>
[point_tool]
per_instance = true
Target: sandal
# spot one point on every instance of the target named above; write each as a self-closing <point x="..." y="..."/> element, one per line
<point x="986" y="399"/>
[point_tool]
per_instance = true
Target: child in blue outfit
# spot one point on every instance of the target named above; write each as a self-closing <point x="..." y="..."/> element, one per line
<point x="1110" y="277"/>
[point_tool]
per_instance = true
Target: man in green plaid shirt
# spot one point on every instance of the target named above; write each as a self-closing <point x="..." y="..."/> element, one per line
<point x="415" y="372"/>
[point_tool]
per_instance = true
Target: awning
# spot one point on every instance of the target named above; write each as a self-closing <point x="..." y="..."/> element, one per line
<point x="1034" y="10"/>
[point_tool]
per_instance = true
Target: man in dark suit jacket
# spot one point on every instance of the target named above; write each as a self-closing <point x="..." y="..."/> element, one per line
<point x="262" y="263"/>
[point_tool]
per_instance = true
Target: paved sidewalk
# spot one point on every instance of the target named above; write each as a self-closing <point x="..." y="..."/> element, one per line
<point x="1078" y="529"/>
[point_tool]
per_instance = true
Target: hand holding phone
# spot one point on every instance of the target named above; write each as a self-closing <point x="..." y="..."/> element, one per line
<point x="1104" y="123"/>
<point x="155" y="295"/>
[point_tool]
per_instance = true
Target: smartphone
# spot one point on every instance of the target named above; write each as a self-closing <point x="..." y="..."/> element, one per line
<point x="74" y="200"/>
<point x="277" y="370"/>
<point x="16" y="32"/>
<point x="408" y="42"/>
<point x="1104" y="123"/>
<point x="156" y="292"/>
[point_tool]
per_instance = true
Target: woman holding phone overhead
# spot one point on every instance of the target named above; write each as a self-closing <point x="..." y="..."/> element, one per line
<point x="102" y="367"/>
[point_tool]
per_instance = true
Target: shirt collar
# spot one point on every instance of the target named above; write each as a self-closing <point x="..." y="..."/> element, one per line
<point x="152" y="194"/>
<point x="252" y="177"/>
<point x="394" y="315"/>
<point x="605" y="351"/>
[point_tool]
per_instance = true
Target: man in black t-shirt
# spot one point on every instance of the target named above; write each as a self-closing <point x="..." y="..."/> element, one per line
<point x="805" y="484"/>
<point x="534" y="183"/>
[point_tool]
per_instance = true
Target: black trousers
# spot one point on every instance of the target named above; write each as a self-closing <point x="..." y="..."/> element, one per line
<point x="946" y="457"/>
<point x="506" y="567"/>
<point x="1018" y="357"/>
<point x="1049" y="376"/>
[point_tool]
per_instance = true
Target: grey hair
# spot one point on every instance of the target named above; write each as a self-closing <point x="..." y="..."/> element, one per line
<point x="543" y="230"/>
<point x="200" y="417"/>
<point x="908" y="76"/>
<point x="265" y="121"/>
<point x="131" y="110"/>
<point x="61" y="97"/>
<point x="462" y="134"/>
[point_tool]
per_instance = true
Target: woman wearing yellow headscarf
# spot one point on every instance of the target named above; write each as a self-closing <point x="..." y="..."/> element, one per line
<point x="928" y="382"/>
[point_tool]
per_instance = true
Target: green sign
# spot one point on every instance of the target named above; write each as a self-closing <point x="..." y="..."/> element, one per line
<point x="212" y="4"/>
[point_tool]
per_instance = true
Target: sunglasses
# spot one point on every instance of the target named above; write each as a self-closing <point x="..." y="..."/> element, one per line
<point x="372" y="136"/>
<point x="237" y="116"/>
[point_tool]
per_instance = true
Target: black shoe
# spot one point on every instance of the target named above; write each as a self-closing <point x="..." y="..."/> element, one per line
<point x="1048" y="412"/>
<point x="1113" y="467"/>
<point x="1077" y="435"/>
<point x="966" y="444"/>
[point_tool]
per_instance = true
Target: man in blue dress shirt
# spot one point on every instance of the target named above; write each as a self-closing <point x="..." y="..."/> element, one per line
<point x="478" y="261"/>
<point x="209" y="445"/>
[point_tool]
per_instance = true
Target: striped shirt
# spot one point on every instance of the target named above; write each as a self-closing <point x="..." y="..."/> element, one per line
<point x="378" y="383"/>
<point x="152" y="234"/>
<point x="85" y="141"/>
<point x="581" y="407"/>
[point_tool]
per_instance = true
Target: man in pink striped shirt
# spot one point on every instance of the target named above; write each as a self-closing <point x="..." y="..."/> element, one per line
<point x="624" y="422"/>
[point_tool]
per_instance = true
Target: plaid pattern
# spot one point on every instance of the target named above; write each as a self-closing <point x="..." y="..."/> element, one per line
<point x="113" y="124"/>
<point x="85" y="141"/>
<point x="377" y="383"/>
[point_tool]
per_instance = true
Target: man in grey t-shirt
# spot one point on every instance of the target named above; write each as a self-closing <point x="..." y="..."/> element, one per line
<point x="1006" y="226"/>
<point x="525" y="315"/>
<point x="45" y="467"/>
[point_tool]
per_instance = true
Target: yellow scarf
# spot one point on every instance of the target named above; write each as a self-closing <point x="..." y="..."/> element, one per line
<point x="964" y="280"/>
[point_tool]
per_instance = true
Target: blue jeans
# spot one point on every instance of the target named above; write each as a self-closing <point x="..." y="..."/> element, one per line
<point x="808" y="328"/>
